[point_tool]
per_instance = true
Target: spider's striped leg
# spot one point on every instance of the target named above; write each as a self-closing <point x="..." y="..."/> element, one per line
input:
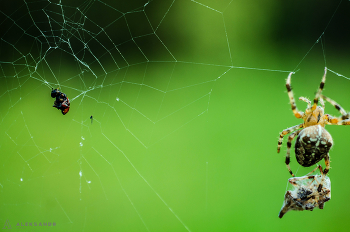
<point x="339" y="121"/>
<point x="328" y="164"/>
<point x="336" y="105"/>
<point x="342" y="120"/>
<point x="296" y="112"/>
<point x="324" y="172"/>
<point x="289" y="145"/>
<point x="285" y="132"/>
<point x="319" y="91"/>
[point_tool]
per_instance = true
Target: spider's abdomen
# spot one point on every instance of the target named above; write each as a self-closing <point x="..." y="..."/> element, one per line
<point x="312" y="145"/>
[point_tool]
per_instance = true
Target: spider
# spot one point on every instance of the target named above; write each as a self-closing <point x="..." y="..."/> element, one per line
<point x="313" y="142"/>
<point x="307" y="194"/>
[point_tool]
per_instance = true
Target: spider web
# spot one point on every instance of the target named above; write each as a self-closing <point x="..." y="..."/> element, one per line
<point x="166" y="84"/>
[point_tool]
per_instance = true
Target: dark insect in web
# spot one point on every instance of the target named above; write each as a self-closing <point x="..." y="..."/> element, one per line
<point x="61" y="101"/>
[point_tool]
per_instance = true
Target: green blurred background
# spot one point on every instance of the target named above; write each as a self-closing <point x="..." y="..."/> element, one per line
<point x="188" y="99"/>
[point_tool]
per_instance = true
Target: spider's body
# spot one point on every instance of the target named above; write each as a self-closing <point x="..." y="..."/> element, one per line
<point x="313" y="142"/>
<point x="312" y="145"/>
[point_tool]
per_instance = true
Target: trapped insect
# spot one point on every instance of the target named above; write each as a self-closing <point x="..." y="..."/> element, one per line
<point x="309" y="192"/>
<point x="61" y="102"/>
<point x="314" y="141"/>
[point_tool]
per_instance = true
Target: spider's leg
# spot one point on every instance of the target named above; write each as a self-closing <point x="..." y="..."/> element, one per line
<point x="304" y="99"/>
<point x="323" y="173"/>
<point x="328" y="165"/>
<point x="322" y="103"/>
<point x="336" y="121"/>
<point x="307" y="176"/>
<point x="342" y="120"/>
<point x="289" y="145"/>
<point x="339" y="121"/>
<point x="318" y="167"/>
<point x="319" y="91"/>
<point x="336" y="105"/>
<point x="285" y="132"/>
<point x="294" y="180"/>
<point x="298" y="114"/>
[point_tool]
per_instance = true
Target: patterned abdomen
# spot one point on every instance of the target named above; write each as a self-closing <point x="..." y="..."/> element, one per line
<point x="312" y="145"/>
